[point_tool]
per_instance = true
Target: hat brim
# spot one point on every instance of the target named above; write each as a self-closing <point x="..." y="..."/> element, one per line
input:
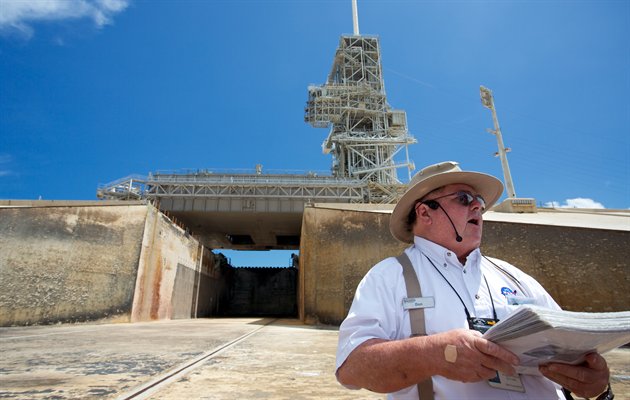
<point x="489" y="187"/>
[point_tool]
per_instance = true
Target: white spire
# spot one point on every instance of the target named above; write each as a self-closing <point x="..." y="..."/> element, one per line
<point x="355" y="18"/>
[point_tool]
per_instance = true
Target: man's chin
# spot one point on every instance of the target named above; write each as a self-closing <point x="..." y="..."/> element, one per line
<point x="471" y="243"/>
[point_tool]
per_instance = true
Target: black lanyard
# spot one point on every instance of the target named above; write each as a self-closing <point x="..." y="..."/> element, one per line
<point x="478" y="324"/>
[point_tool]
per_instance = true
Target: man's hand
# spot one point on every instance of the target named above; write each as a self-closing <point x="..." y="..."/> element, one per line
<point x="386" y="366"/>
<point x="477" y="359"/>
<point x="588" y="379"/>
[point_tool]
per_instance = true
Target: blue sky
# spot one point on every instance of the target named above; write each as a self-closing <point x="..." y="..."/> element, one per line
<point x="92" y="91"/>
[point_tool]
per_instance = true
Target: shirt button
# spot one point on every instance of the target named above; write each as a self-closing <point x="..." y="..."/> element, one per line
<point x="448" y="253"/>
<point x="464" y="271"/>
<point x="477" y="296"/>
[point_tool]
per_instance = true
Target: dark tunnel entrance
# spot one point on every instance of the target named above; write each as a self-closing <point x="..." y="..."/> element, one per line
<point x="232" y="287"/>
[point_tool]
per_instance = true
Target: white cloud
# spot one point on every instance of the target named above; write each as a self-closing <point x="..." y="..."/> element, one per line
<point x="16" y="15"/>
<point x="578" y="202"/>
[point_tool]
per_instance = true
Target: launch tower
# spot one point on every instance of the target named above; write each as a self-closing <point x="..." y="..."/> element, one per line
<point x="366" y="134"/>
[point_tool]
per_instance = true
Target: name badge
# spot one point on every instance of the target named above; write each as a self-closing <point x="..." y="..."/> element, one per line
<point x="518" y="300"/>
<point x="507" y="382"/>
<point x="411" y="303"/>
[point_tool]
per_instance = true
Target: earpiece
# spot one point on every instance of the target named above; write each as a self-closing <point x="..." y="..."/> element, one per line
<point x="434" y="205"/>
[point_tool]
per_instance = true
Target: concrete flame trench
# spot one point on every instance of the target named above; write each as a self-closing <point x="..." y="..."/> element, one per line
<point x="128" y="261"/>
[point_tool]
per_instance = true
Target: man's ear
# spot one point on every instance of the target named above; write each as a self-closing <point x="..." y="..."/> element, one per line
<point x="423" y="214"/>
<point x="423" y="220"/>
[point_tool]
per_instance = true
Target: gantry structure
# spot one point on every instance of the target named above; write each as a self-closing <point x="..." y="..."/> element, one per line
<point x="366" y="134"/>
<point x="247" y="187"/>
<point x="255" y="210"/>
<point x="237" y="210"/>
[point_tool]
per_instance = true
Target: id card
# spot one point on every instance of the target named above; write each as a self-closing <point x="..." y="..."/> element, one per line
<point x="518" y="300"/>
<point x="507" y="382"/>
<point x="411" y="303"/>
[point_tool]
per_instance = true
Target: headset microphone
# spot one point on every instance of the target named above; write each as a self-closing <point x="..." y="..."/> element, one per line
<point x="432" y="204"/>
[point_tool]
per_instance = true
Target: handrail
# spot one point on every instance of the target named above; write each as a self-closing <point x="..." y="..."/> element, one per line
<point x="253" y="179"/>
<point x="135" y="177"/>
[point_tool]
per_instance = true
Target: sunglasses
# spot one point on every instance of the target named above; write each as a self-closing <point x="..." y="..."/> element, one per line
<point x="464" y="198"/>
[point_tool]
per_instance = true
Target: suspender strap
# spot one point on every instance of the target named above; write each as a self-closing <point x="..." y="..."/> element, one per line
<point x="416" y="316"/>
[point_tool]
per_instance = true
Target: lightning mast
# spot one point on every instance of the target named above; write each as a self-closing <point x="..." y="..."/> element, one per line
<point x="355" y="18"/>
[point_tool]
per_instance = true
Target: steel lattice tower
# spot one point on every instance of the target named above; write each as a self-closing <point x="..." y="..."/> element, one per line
<point x="365" y="132"/>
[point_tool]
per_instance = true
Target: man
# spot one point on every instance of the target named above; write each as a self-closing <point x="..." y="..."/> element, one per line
<point x="463" y="293"/>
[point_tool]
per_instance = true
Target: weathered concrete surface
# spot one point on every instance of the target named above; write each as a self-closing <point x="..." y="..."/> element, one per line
<point x="583" y="269"/>
<point x="283" y="359"/>
<point x="78" y="261"/>
<point x="68" y="262"/>
<point x="90" y="361"/>
<point x="61" y="261"/>
<point x="337" y="249"/>
<point x="169" y="254"/>
<point x="211" y="287"/>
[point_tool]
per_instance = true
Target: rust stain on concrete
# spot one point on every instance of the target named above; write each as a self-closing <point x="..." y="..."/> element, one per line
<point x="157" y="283"/>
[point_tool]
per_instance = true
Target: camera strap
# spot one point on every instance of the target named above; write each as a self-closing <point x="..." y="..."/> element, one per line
<point x="476" y="323"/>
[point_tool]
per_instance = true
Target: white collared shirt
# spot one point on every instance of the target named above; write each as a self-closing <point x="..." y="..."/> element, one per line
<point x="377" y="312"/>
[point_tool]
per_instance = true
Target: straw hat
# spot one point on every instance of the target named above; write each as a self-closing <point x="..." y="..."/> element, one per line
<point x="433" y="177"/>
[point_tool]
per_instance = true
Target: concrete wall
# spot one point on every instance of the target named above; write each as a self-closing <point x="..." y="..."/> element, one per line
<point x="213" y="292"/>
<point x="583" y="269"/>
<point x="64" y="262"/>
<point x="80" y="261"/>
<point x="200" y="293"/>
<point x="167" y="271"/>
<point x="337" y="248"/>
<point x="68" y="262"/>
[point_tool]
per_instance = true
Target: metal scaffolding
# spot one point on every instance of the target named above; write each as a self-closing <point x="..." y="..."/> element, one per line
<point x="205" y="185"/>
<point x="366" y="134"/>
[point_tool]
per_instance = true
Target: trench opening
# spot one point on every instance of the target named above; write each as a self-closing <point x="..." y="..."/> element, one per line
<point x="240" y="283"/>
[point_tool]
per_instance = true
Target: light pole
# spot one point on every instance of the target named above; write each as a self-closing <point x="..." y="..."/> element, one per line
<point x="488" y="101"/>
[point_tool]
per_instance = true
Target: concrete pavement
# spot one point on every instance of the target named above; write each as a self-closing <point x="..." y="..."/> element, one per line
<point x="187" y="359"/>
<point x="235" y="358"/>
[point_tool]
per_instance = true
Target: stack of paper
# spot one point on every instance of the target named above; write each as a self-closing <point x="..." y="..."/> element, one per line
<point x="541" y="335"/>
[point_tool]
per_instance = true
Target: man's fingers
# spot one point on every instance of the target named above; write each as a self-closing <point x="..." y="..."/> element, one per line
<point x="585" y="380"/>
<point x="594" y="369"/>
<point x="596" y="361"/>
<point x="498" y="358"/>
<point x="497" y="351"/>
<point x="552" y="372"/>
<point x="496" y="364"/>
